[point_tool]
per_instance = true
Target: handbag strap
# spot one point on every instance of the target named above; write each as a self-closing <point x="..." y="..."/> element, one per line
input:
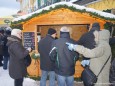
<point x="104" y="65"/>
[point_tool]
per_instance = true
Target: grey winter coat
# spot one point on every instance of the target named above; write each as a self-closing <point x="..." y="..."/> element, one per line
<point x="17" y="67"/>
<point x="98" y="56"/>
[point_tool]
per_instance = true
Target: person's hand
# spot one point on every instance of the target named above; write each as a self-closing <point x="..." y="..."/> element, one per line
<point x="85" y="63"/>
<point x="29" y="49"/>
<point x="70" y="46"/>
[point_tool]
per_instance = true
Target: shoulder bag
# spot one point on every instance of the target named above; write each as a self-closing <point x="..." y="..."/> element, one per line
<point x="88" y="77"/>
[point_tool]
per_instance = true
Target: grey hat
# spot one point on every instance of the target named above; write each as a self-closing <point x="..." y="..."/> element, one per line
<point x="64" y="29"/>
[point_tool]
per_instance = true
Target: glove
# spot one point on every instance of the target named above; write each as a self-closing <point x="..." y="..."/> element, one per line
<point x="29" y="49"/>
<point x="71" y="46"/>
<point x="85" y="63"/>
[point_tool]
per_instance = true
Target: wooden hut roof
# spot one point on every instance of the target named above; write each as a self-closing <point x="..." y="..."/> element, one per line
<point x="73" y="7"/>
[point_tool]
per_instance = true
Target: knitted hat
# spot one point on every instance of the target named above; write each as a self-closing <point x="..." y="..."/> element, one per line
<point x="64" y="29"/>
<point x="51" y="31"/>
<point x="15" y="32"/>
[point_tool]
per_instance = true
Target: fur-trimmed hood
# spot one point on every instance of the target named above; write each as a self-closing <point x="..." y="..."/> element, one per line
<point x="104" y="35"/>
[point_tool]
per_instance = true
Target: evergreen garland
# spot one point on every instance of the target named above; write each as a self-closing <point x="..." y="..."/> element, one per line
<point x="108" y="10"/>
<point x="95" y="15"/>
<point x="19" y="26"/>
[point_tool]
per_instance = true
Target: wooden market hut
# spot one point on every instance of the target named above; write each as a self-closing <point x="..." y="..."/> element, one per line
<point x="78" y="18"/>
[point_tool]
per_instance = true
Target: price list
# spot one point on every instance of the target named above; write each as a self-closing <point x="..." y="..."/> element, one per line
<point x="29" y="39"/>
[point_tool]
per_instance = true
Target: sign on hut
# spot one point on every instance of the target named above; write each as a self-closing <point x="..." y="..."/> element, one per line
<point x="29" y="40"/>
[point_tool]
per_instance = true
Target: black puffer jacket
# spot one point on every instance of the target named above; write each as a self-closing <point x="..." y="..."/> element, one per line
<point x="17" y="67"/>
<point x="44" y="47"/>
<point x="64" y="58"/>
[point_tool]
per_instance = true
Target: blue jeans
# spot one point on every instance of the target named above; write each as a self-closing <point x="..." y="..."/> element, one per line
<point x="5" y="62"/>
<point x="44" y="78"/>
<point x="65" y="81"/>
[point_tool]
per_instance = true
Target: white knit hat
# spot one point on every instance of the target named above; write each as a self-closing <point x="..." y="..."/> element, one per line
<point x="16" y="32"/>
<point x="64" y="29"/>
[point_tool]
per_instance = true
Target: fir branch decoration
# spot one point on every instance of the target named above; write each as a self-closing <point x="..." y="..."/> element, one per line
<point x="19" y="26"/>
<point x="109" y="25"/>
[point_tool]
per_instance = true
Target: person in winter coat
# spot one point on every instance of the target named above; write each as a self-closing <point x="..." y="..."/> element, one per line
<point x="5" y="49"/>
<point x="46" y="65"/>
<point x="17" y="66"/>
<point x="64" y="59"/>
<point x="87" y="40"/>
<point x="1" y="46"/>
<point x="98" y="56"/>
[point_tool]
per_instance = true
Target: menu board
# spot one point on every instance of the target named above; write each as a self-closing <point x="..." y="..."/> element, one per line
<point x="29" y="39"/>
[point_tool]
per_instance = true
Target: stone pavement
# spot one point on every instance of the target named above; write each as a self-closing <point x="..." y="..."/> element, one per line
<point x="75" y="83"/>
<point x="78" y="83"/>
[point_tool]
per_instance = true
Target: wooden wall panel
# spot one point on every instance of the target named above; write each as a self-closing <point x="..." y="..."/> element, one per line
<point x="75" y="30"/>
<point x="64" y="16"/>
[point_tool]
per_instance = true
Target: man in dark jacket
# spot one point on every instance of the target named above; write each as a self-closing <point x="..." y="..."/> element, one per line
<point x="46" y="65"/>
<point x="17" y="66"/>
<point x="87" y="40"/>
<point x="64" y="59"/>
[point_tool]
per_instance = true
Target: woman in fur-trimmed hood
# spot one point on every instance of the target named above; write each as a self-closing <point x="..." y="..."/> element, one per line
<point x="98" y="55"/>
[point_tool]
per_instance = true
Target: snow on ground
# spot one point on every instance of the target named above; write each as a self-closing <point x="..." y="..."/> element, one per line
<point x="5" y="79"/>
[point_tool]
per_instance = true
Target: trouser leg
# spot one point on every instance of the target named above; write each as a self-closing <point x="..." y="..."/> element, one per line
<point x="18" y="82"/>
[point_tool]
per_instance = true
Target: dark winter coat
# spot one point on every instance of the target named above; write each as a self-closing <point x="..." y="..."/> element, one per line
<point x="1" y="43"/>
<point x="5" y="48"/>
<point x="87" y="40"/>
<point x="44" y="47"/>
<point x="64" y="59"/>
<point x="17" y="67"/>
<point x="112" y="41"/>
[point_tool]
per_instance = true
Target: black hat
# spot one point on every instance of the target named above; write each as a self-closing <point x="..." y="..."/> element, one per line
<point x="8" y="32"/>
<point x="51" y="31"/>
<point x="96" y="26"/>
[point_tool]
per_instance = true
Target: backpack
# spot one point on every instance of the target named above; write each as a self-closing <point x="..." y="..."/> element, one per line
<point x="112" y="73"/>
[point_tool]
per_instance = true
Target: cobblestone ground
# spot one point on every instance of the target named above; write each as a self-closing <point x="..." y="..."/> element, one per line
<point x="75" y="83"/>
<point x="78" y="83"/>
